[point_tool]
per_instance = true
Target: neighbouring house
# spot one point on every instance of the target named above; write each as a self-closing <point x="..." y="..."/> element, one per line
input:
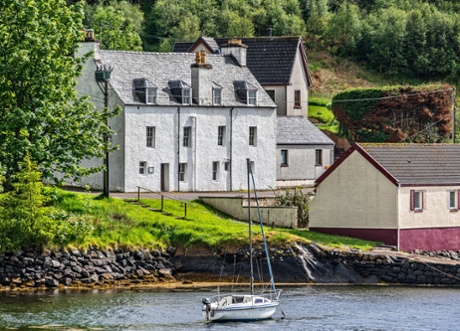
<point x="278" y="63"/>
<point x="405" y="195"/>
<point x="188" y="122"/>
<point x="304" y="152"/>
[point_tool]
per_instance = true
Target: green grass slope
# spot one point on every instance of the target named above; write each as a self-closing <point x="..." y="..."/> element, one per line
<point x="110" y="223"/>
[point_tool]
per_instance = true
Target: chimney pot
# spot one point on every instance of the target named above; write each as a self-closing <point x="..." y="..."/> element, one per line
<point x="203" y="56"/>
<point x="197" y="57"/>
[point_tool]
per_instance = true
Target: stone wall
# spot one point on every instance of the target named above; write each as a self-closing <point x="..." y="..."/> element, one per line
<point x="84" y="268"/>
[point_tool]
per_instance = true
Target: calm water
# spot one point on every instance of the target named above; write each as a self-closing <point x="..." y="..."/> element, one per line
<point x="306" y="308"/>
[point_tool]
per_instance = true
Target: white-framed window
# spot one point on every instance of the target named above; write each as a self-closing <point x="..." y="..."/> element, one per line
<point x="252" y="97"/>
<point x="252" y="135"/>
<point x="318" y="157"/>
<point x="186" y="96"/>
<point x="187" y="139"/>
<point x="284" y="158"/>
<point x="227" y="165"/>
<point x="417" y="200"/>
<point x="142" y="167"/>
<point x="217" y="96"/>
<point x="215" y="171"/>
<point x="297" y="99"/>
<point x="221" y="135"/>
<point x="182" y="172"/>
<point x="151" y="95"/>
<point x="453" y="198"/>
<point x="150" y="133"/>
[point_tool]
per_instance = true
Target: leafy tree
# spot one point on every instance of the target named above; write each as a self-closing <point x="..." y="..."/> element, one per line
<point x="41" y="115"/>
<point x="118" y="24"/>
<point x="315" y="14"/>
<point x="344" y="29"/>
<point x="23" y="217"/>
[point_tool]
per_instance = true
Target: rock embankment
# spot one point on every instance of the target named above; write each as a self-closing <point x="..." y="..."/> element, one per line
<point x="84" y="268"/>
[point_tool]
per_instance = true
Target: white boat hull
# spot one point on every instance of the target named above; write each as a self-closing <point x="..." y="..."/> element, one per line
<point x="246" y="311"/>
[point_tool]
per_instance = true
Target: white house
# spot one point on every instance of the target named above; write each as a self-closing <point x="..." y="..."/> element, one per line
<point x="304" y="152"/>
<point x="189" y="121"/>
<point x="278" y="63"/>
<point x="406" y="195"/>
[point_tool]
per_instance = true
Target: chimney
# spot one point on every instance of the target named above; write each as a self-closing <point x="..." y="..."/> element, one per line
<point x="88" y="44"/>
<point x="201" y="80"/>
<point x="236" y="48"/>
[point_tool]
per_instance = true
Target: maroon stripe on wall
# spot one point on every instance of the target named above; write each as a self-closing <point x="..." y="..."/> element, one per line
<point x="433" y="239"/>
<point x="387" y="236"/>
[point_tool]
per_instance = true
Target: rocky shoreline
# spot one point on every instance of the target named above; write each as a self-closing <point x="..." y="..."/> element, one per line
<point x="94" y="268"/>
<point x="89" y="268"/>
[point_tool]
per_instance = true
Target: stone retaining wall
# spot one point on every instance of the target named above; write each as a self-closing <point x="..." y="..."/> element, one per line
<point x="392" y="268"/>
<point x="86" y="268"/>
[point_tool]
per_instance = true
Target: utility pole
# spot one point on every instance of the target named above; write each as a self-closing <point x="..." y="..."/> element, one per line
<point x="102" y="78"/>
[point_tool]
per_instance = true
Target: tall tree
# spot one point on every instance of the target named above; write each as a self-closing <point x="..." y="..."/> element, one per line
<point x="40" y="113"/>
<point x="117" y="23"/>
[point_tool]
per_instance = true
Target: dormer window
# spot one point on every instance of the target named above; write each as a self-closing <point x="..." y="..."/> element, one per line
<point x="252" y="97"/>
<point x="181" y="91"/>
<point x="151" y="95"/>
<point x="245" y="92"/>
<point x="186" y="96"/>
<point x="216" y="94"/>
<point x="144" y="91"/>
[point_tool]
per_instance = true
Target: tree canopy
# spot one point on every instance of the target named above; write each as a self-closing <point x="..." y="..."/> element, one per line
<point x="41" y="115"/>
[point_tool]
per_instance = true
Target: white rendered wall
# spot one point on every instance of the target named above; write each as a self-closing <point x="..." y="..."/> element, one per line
<point x="299" y="82"/>
<point x="355" y="195"/>
<point x="169" y="122"/>
<point x="436" y="212"/>
<point x="301" y="162"/>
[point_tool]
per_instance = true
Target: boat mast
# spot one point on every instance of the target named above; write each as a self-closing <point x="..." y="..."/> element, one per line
<point x="272" y="280"/>
<point x="251" y="280"/>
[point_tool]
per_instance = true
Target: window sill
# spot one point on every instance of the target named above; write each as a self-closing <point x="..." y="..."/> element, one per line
<point x="453" y="210"/>
<point x="418" y="210"/>
<point x="297" y="107"/>
<point x="318" y="165"/>
<point x="284" y="165"/>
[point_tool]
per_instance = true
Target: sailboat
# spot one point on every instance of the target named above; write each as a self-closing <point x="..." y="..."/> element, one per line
<point x="245" y="307"/>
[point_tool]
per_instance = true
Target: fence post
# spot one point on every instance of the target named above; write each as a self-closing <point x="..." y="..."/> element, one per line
<point x="161" y="209"/>
<point x="138" y="193"/>
<point x="185" y="210"/>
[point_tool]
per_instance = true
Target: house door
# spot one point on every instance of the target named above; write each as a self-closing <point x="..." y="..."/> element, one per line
<point x="164" y="177"/>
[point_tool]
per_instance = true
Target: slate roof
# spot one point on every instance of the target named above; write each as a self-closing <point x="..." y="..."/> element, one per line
<point x="271" y="59"/>
<point x="164" y="68"/>
<point x="297" y="130"/>
<point x="418" y="164"/>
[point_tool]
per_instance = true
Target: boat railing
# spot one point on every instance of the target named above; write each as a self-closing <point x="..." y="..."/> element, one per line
<point x="267" y="295"/>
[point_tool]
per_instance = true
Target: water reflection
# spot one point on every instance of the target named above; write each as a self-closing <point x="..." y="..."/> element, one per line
<point x="307" y="308"/>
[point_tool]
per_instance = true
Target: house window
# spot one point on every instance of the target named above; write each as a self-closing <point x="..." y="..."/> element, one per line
<point x="252" y="135"/>
<point x="318" y="157"/>
<point x="221" y="135"/>
<point x="454" y="202"/>
<point x="187" y="142"/>
<point x="271" y="94"/>
<point x="297" y="99"/>
<point x="151" y="136"/>
<point x="284" y="157"/>
<point x="227" y="166"/>
<point x="215" y="170"/>
<point x="252" y="97"/>
<point x="151" y="95"/>
<point x="186" y="96"/>
<point x="182" y="171"/>
<point x="417" y="200"/>
<point x="142" y="167"/>
<point x="217" y="96"/>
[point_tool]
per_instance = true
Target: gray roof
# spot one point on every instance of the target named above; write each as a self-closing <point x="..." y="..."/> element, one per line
<point x="418" y="164"/>
<point x="271" y="59"/>
<point x="293" y="130"/>
<point x="162" y="68"/>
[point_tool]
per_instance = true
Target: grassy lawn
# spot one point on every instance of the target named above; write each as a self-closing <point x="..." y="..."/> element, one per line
<point x="317" y="109"/>
<point x="115" y="223"/>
